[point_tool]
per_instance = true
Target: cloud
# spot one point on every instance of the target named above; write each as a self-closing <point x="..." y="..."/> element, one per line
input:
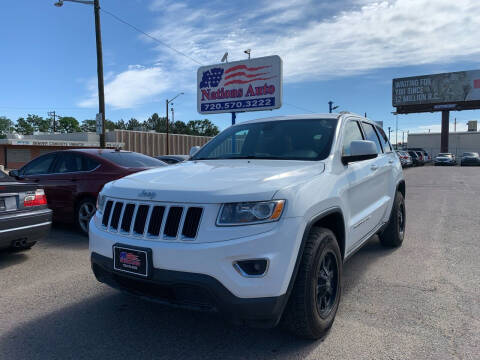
<point x="316" y="40"/>
<point x="129" y="88"/>
<point x="437" y="128"/>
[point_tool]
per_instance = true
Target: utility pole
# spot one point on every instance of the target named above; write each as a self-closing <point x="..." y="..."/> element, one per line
<point x="389" y="130"/>
<point x="98" y="38"/>
<point x="396" y="131"/>
<point x="167" y="127"/>
<point x="173" y="114"/>
<point x="53" y="114"/>
<point x="403" y="139"/>
<point x="455" y="126"/>
<point x="101" y="94"/>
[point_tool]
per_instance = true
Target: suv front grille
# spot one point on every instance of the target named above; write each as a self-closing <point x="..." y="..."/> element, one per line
<point x="152" y="220"/>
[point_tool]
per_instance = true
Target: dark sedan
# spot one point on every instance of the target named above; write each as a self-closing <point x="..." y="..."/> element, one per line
<point x="470" y="159"/>
<point x="24" y="216"/>
<point x="72" y="179"/>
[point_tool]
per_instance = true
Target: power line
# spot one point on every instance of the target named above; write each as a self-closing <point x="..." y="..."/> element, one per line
<point x="150" y="36"/>
<point x="173" y="49"/>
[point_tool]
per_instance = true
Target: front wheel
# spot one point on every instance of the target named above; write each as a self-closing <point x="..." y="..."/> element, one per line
<point x="85" y="210"/>
<point x="393" y="235"/>
<point x="316" y="293"/>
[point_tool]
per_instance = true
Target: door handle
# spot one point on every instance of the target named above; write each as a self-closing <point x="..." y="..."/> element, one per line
<point x="374" y="167"/>
<point x="390" y="161"/>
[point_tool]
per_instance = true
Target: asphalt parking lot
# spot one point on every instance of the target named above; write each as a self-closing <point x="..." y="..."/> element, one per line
<point x="420" y="301"/>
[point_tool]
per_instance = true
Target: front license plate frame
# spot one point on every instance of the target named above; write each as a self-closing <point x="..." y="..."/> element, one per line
<point x="136" y="261"/>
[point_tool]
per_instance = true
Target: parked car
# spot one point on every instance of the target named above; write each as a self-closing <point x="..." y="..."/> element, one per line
<point x="445" y="159"/>
<point x="24" y="215"/>
<point x="259" y="232"/>
<point x="421" y="157"/>
<point x="405" y="158"/>
<point x="470" y="159"/>
<point x="416" y="159"/>
<point x="426" y="156"/>
<point x="72" y="179"/>
<point x="172" y="159"/>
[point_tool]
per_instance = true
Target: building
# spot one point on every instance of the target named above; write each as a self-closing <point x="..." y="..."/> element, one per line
<point x="458" y="142"/>
<point x="16" y="150"/>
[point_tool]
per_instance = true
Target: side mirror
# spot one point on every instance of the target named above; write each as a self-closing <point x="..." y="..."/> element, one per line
<point x="360" y="150"/>
<point x="194" y="150"/>
<point x="14" y="173"/>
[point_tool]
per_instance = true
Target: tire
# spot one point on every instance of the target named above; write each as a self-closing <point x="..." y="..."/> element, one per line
<point x="394" y="233"/>
<point x="83" y="213"/>
<point x="310" y="312"/>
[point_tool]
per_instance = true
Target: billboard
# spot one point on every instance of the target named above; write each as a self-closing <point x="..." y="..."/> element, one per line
<point x="247" y="85"/>
<point x="448" y="91"/>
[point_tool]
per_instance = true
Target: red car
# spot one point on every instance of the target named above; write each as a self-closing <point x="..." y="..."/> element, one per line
<point x="72" y="179"/>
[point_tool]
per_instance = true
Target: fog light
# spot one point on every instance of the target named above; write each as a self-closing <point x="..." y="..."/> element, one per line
<point x="251" y="268"/>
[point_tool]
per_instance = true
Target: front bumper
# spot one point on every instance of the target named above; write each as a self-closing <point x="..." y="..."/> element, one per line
<point x="445" y="163"/>
<point x="192" y="291"/>
<point x="279" y="246"/>
<point x="30" y="226"/>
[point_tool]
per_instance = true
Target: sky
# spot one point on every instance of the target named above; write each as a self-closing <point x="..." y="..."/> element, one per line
<point x="346" y="51"/>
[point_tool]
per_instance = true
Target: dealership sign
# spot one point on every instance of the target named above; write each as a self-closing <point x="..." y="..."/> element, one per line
<point x="449" y="91"/>
<point x="248" y="85"/>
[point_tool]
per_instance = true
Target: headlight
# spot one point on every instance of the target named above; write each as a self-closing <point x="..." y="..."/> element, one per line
<point x="100" y="203"/>
<point x="246" y="213"/>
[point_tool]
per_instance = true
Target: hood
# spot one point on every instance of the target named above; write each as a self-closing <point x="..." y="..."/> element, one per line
<point x="214" y="181"/>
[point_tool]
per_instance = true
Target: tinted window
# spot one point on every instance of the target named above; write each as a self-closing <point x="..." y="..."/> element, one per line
<point x="371" y="135"/>
<point x="73" y="162"/>
<point x="68" y="162"/>
<point x="309" y="139"/>
<point x="384" y="140"/>
<point x="352" y="132"/>
<point x="131" y="159"/>
<point x="41" y="165"/>
<point x="89" y="164"/>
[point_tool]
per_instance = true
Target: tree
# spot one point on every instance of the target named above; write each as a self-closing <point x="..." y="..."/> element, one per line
<point x="179" y="127"/>
<point x="38" y="123"/>
<point x="110" y="125"/>
<point x="203" y="127"/>
<point x="133" y="124"/>
<point x="68" y="124"/>
<point x="157" y="123"/>
<point x="24" y="127"/>
<point x="121" y="125"/>
<point x="6" y="125"/>
<point x="89" y="125"/>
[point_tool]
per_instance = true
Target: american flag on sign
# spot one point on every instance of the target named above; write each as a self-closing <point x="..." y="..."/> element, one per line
<point x="476" y="84"/>
<point x="241" y="74"/>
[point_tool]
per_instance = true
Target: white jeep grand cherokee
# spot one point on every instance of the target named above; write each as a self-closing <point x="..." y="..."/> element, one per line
<point x="258" y="223"/>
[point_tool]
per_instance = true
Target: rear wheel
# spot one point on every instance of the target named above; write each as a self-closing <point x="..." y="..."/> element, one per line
<point x="393" y="235"/>
<point x="85" y="210"/>
<point x="316" y="293"/>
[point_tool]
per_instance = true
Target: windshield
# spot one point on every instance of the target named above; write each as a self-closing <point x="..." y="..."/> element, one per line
<point x="445" y="155"/>
<point x="470" y="154"/>
<point x="281" y="140"/>
<point x="131" y="159"/>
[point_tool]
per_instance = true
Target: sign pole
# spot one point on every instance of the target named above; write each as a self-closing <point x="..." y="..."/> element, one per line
<point x="234" y="146"/>
<point x="444" y="135"/>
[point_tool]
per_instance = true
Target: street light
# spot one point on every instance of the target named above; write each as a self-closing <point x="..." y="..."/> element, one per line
<point x="168" y="102"/>
<point x="98" y="37"/>
<point x="331" y="107"/>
